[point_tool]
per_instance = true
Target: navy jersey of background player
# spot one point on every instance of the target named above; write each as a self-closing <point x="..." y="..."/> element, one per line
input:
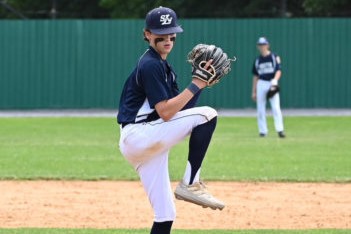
<point x="265" y="67"/>
<point x="152" y="81"/>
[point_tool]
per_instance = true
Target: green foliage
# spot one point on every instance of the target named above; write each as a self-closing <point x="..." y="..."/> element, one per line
<point x="199" y="8"/>
<point x="184" y="8"/>
<point x="126" y="9"/>
<point x="327" y="7"/>
<point x="230" y="8"/>
<point x="316" y="149"/>
<point x="39" y="9"/>
<point x="130" y="9"/>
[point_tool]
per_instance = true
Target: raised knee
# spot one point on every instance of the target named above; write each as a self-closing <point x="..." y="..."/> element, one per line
<point x="209" y="112"/>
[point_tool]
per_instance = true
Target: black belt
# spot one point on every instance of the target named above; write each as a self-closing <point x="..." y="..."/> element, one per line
<point x="142" y="121"/>
<point x="265" y="79"/>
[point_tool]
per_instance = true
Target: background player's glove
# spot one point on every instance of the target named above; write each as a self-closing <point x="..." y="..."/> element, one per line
<point x="220" y="66"/>
<point x="272" y="91"/>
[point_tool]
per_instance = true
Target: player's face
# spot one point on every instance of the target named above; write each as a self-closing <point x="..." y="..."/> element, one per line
<point x="263" y="49"/>
<point x="163" y="44"/>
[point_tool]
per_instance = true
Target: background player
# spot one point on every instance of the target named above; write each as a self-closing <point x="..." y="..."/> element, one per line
<point x="154" y="116"/>
<point x="266" y="71"/>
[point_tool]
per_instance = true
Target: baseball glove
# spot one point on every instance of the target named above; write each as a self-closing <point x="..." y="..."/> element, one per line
<point x="272" y="91"/>
<point x="220" y="66"/>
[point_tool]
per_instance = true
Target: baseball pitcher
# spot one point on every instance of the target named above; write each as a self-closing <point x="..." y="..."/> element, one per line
<point x="155" y="115"/>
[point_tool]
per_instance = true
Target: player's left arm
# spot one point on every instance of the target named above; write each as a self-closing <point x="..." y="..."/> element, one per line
<point x="278" y="72"/>
<point x="277" y="75"/>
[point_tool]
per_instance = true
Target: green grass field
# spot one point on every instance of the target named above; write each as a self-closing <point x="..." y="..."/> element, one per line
<point x="317" y="149"/>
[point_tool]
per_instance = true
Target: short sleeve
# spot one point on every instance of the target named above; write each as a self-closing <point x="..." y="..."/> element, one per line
<point x="278" y="62"/>
<point x="152" y="78"/>
<point x="254" y="69"/>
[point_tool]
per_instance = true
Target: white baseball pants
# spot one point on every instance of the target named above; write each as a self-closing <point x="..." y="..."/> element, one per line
<point x="146" y="147"/>
<point x="262" y="89"/>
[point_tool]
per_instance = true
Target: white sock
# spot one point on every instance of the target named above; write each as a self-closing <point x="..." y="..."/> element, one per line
<point x="187" y="175"/>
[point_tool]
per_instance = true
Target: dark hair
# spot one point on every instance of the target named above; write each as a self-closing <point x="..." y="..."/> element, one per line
<point x="145" y="38"/>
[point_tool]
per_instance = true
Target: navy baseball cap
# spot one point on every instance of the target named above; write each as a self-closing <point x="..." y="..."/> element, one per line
<point x="262" y="41"/>
<point x="162" y="21"/>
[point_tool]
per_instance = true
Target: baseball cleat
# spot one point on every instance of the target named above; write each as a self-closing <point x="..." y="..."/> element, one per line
<point x="262" y="135"/>
<point x="281" y="134"/>
<point x="197" y="194"/>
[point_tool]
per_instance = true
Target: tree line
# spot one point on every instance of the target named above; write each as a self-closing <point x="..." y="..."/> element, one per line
<point x="104" y="9"/>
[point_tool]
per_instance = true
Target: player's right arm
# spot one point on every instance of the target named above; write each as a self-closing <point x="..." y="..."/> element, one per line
<point x="254" y="88"/>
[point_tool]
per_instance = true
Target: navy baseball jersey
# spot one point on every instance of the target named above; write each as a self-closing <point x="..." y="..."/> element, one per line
<point x="265" y="67"/>
<point x="152" y="81"/>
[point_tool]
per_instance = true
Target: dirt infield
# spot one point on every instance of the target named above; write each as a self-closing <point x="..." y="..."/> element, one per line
<point x="112" y="204"/>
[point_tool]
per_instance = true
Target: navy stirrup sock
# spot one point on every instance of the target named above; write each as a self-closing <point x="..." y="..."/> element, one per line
<point x="199" y="141"/>
<point x="161" y="227"/>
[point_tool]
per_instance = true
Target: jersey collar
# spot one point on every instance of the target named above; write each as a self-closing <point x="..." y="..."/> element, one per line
<point x="155" y="53"/>
<point x="269" y="54"/>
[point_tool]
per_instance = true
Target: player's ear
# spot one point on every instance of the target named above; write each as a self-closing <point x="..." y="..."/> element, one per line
<point x="147" y="35"/>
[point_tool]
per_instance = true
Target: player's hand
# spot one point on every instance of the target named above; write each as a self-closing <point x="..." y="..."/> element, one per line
<point x="199" y="58"/>
<point x="254" y="97"/>
<point x="274" y="82"/>
<point x="200" y="83"/>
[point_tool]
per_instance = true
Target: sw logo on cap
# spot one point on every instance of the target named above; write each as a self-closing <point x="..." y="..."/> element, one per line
<point x="165" y="19"/>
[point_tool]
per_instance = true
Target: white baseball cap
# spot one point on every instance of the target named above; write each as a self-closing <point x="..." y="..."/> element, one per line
<point x="262" y="41"/>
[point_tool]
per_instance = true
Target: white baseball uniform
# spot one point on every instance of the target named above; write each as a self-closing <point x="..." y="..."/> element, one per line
<point x="146" y="139"/>
<point x="265" y="68"/>
<point x="146" y="146"/>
